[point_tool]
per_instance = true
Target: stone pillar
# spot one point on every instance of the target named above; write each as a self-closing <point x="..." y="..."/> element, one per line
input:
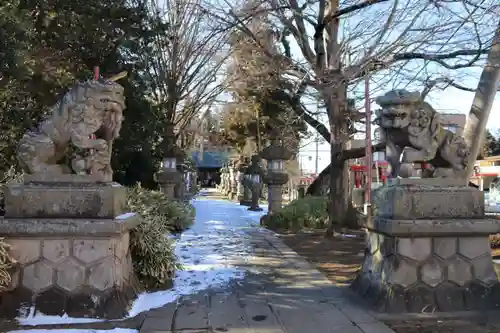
<point x="241" y="166"/>
<point x="240" y="189"/>
<point x="254" y="201"/>
<point x="168" y="180"/>
<point x="275" y="182"/>
<point x="255" y="172"/>
<point x="228" y="181"/>
<point x="220" y="188"/>
<point x="233" y="182"/>
<point x="70" y="238"/>
<point x="247" y="193"/>
<point x="428" y="249"/>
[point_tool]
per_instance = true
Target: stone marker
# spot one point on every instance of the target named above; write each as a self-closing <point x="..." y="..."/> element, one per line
<point x="69" y="232"/>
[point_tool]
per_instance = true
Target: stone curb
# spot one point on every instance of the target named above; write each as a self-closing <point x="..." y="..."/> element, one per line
<point x="360" y="317"/>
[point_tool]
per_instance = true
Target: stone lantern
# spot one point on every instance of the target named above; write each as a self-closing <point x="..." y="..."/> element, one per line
<point x="168" y="177"/>
<point x="276" y="155"/>
<point x="254" y="173"/>
<point x="244" y="193"/>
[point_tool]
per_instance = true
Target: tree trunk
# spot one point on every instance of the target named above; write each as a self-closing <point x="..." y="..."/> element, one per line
<point x="339" y="176"/>
<point x="339" y="191"/>
<point x="482" y="103"/>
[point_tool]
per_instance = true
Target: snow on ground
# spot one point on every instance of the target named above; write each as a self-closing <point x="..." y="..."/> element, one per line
<point x="116" y="330"/>
<point x="209" y="252"/>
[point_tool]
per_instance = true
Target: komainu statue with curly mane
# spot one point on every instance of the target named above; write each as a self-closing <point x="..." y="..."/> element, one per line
<point x="80" y="127"/>
<point x="413" y="134"/>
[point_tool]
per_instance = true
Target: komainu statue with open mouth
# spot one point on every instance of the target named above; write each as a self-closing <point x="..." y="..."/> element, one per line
<point x="80" y="127"/>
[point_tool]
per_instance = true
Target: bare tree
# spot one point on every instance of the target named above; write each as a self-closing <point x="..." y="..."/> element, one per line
<point x="338" y="42"/>
<point x="184" y="57"/>
<point x="483" y="101"/>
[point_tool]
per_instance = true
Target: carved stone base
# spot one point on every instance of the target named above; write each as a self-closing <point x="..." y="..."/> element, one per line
<point x="442" y="263"/>
<point x="428" y="274"/>
<point x="81" y="267"/>
<point x="64" y="200"/>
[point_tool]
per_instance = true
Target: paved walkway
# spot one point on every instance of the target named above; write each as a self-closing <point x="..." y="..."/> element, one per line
<point x="280" y="293"/>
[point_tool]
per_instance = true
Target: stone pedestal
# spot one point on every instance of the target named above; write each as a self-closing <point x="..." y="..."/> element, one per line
<point x="428" y="251"/>
<point x="275" y="182"/>
<point x="168" y="179"/>
<point x="247" y="196"/>
<point x="254" y="202"/>
<point x="71" y="243"/>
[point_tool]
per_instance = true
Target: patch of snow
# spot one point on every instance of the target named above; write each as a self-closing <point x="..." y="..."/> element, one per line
<point x="115" y="330"/>
<point x="210" y="252"/>
<point x="124" y="216"/>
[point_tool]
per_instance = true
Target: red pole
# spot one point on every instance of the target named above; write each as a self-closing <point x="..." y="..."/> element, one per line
<point x="368" y="148"/>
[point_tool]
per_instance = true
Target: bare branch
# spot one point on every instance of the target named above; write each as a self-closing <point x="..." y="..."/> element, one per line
<point x="184" y="57"/>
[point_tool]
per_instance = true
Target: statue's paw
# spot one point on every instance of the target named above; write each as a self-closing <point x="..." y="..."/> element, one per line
<point x="101" y="145"/>
<point x="406" y="158"/>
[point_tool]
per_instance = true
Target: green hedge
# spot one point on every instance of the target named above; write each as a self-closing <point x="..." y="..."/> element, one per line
<point x="306" y="213"/>
<point x="152" y="252"/>
<point x="173" y="216"/>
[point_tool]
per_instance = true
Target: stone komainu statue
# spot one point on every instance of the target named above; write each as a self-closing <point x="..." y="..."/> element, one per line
<point x="411" y="128"/>
<point x="85" y="122"/>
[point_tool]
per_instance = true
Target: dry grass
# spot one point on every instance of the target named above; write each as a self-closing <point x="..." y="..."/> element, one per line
<point x="6" y="263"/>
